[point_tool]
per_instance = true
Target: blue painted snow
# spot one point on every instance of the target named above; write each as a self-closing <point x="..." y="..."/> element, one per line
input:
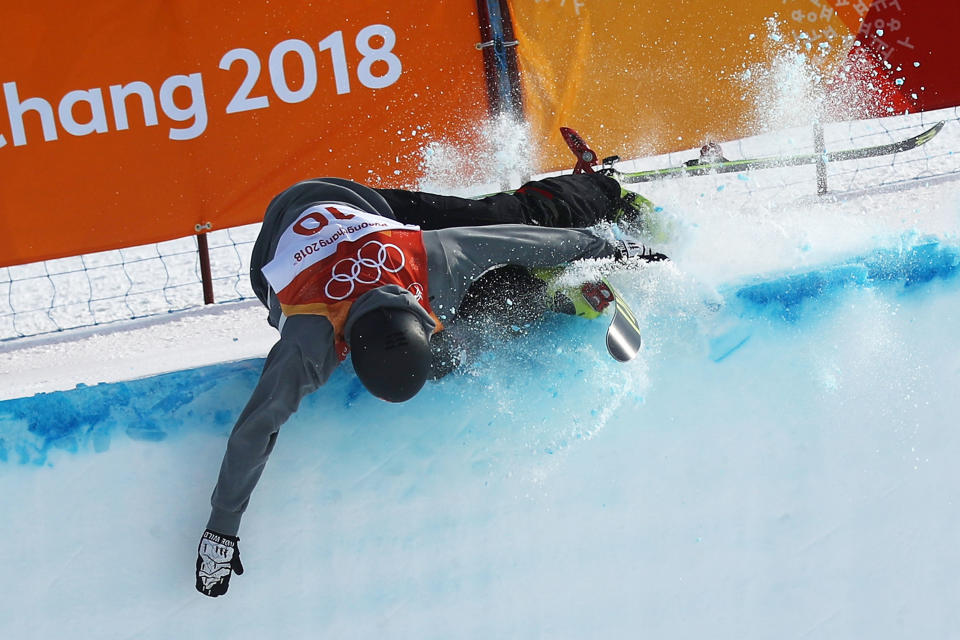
<point x="159" y="408"/>
<point x="784" y="297"/>
<point x="908" y="266"/>
<point x="89" y="418"/>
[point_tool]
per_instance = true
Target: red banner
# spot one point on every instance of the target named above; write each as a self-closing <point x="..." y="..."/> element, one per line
<point x="905" y="55"/>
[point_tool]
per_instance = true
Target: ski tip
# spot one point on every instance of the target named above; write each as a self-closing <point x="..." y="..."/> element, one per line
<point x="623" y="334"/>
<point x="622" y="345"/>
<point x="934" y="130"/>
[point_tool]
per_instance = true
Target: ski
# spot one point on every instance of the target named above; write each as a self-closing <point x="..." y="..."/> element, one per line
<point x="772" y="162"/>
<point x="623" y="334"/>
<point x="591" y="300"/>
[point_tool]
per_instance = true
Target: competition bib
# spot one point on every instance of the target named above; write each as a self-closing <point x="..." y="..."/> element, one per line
<point x="334" y="253"/>
<point x="315" y="237"/>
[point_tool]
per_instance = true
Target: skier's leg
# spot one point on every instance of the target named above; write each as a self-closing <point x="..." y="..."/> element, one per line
<point x="432" y="211"/>
<point x="503" y="299"/>
<point x="499" y="305"/>
<point x="568" y="201"/>
<point x="458" y="257"/>
<point x="579" y="200"/>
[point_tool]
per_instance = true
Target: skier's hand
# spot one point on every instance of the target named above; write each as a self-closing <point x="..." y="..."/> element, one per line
<point x="631" y="250"/>
<point x="217" y="558"/>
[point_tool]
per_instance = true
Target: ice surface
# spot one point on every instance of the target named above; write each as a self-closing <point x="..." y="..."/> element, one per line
<point x="778" y="462"/>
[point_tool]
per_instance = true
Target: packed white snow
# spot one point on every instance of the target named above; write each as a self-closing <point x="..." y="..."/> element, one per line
<point x="779" y="461"/>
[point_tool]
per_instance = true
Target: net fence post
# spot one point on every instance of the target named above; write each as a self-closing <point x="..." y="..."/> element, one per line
<point x="203" y="251"/>
<point x="820" y="148"/>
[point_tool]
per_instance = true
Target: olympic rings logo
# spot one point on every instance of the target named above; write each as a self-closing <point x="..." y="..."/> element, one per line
<point x="373" y="259"/>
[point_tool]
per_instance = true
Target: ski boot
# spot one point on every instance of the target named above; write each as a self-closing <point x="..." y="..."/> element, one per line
<point x="588" y="300"/>
<point x="638" y="216"/>
<point x="633" y="209"/>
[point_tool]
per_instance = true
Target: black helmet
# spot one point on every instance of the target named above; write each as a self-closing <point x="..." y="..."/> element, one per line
<point x="390" y="349"/>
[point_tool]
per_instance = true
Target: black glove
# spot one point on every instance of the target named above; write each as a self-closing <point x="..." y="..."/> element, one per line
<point x="217" y="557"/>
<point x="633" y="250"/>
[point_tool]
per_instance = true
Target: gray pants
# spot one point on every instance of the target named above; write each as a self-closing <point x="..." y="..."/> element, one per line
<point x="457" y="257"/>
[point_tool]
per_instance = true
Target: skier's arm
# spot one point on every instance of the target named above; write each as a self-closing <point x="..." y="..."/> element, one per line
<point x="300" y="362"/>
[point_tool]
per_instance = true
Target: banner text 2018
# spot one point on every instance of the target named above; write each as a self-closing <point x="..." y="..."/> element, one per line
<point x="378" y="68"/>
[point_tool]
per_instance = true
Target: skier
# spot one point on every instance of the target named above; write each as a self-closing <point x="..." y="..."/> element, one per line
<point x="379" y="274"/>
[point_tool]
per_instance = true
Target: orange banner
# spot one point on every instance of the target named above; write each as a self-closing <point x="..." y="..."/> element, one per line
<point x="640" y="79"/>
<point x="127" y="122"/>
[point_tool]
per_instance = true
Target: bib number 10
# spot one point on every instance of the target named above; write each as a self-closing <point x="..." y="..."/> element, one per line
<point x="374" y="42"/>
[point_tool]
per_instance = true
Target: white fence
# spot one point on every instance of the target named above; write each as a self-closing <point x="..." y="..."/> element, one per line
<point x="106" y="287"/>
